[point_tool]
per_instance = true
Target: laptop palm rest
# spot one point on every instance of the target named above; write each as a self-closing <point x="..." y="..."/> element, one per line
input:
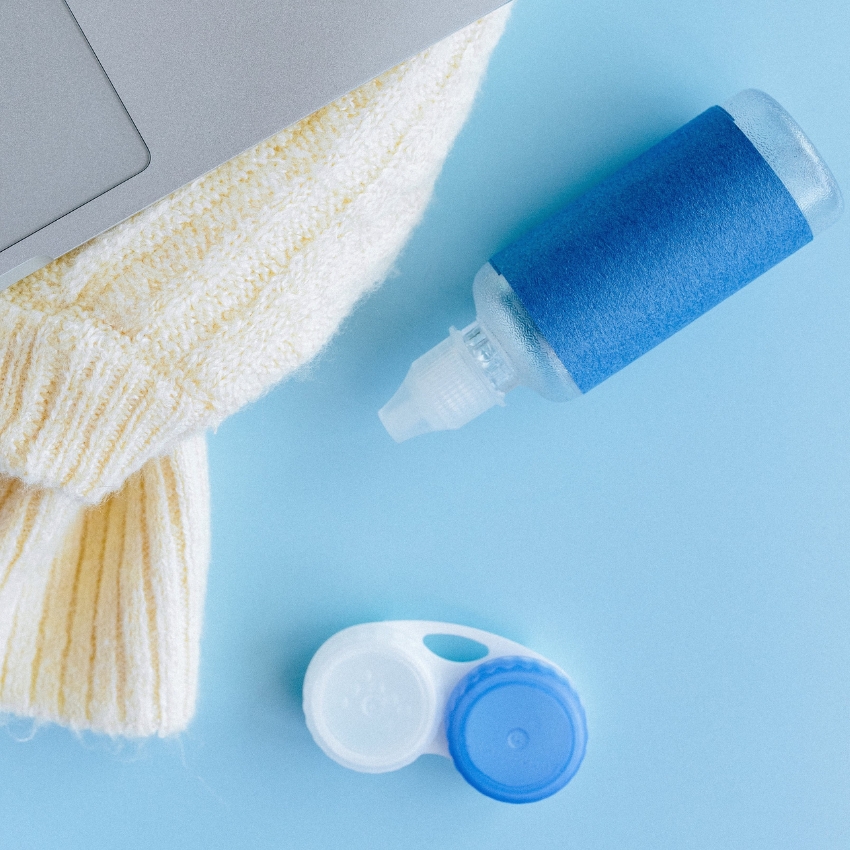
<point x="65" y="137"/>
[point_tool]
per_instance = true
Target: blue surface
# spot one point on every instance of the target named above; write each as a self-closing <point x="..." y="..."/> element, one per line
<point x="677" y="540"/>
<point x="653" y="246"/>
<point x="516" y="729"/>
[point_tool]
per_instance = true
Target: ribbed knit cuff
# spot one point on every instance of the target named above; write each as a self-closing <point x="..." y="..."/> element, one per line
<point x="78" y="411"/>
<point x="101" y="631"/>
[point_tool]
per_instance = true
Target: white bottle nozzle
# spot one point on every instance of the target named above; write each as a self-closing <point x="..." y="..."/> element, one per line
<point x="444" y="389"/>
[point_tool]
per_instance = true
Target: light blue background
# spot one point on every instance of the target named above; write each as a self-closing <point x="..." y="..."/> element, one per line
<point x="677" y="539"/>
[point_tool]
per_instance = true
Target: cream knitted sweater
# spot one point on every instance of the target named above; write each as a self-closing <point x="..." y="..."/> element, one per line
<point x="116" y="357"/>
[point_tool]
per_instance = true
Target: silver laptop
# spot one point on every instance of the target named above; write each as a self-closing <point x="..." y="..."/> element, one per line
<point x="108" y="105"/>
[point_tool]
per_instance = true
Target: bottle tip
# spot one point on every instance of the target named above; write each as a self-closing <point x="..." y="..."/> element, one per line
<point x="401" y="416"/>
<point x="444" y="389"/>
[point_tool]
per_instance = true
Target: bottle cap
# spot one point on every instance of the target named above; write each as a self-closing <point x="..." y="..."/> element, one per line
<point x="516" y="729"/>
<point x="444" y="389"/>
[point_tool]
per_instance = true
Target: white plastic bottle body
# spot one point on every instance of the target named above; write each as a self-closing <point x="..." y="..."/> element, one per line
<point x="472" y="370"/>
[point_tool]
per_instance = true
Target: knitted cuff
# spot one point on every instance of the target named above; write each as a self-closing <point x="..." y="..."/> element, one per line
<point x="103" y="632"/>
<point x="78" y="412"/>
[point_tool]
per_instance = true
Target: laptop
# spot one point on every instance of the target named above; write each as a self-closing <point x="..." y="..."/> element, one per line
<point x="108" y="105"/>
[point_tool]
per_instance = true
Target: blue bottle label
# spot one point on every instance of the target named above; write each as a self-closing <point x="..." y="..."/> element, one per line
<point x="653" y="247"/>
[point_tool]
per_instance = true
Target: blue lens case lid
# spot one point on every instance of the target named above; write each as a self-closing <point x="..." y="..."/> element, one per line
<point x="516" y="729"/>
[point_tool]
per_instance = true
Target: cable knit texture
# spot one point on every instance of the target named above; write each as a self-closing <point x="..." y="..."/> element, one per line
<point x="115" y="355"/>
<point x="170" y="322"/>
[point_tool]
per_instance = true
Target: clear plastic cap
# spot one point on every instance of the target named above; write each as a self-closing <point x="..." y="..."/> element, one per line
<point x="444" y="389"/>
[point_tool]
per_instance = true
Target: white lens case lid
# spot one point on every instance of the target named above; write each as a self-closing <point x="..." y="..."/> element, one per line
<point x="370" y="700"/>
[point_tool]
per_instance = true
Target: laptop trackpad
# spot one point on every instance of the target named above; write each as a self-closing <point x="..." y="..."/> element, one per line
<point x="65" y="137"/>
